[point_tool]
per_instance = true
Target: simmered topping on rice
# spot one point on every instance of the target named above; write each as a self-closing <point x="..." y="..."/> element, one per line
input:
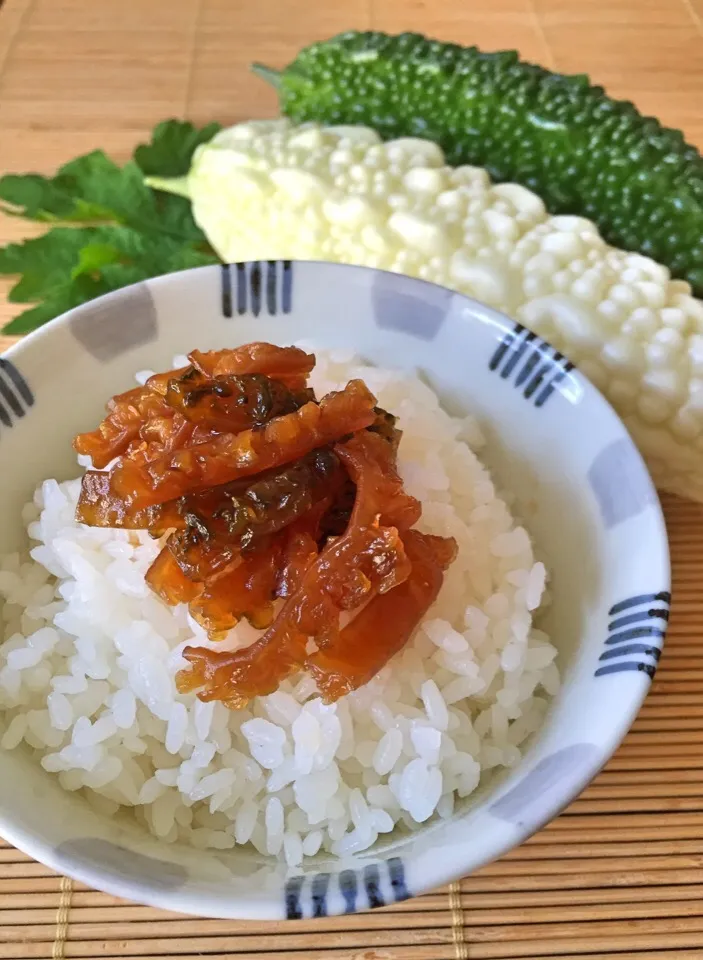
<point x="265" y="492"/>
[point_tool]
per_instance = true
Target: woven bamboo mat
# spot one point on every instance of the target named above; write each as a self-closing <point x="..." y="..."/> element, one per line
<point x="620" y="873"/>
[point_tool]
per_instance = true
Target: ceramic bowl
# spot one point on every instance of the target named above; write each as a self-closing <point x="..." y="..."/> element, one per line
<point x="580" y="486"/>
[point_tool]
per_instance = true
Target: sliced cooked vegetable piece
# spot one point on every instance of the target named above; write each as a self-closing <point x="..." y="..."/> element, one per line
<point x="127" y="412"/>
<point x="248" y="590"/>
<point x="274" y="569"/>
<point x="223" y="521"/>
<point x="300" y="549"/>
<point x="371" y="462"/>
<point x="349" y="660"/>
<point x="162" y="436"/>
<point x="158" y="382"/>
<point x="230" y="456"/>
<point x="290" y="365"/>
<point x="367" y="559"/>
<point x="348" y="571"/>
<point x="230" y="403"/>
<point x="99" y="507"/>
<point x="167" y="581"/>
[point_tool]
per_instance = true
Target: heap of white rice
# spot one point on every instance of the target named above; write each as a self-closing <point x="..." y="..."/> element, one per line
<point x="89" y="656"/>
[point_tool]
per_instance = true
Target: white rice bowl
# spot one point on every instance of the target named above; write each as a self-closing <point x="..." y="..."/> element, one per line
<point x="89" y="655"/>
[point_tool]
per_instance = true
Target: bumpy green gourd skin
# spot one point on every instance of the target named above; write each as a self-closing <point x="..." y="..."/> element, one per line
<point x="581" y="151"/>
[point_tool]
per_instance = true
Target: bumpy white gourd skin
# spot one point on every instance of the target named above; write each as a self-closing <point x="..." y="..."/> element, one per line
<point x="268" y="190"/>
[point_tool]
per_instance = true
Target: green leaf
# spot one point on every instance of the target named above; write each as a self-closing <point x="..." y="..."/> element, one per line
<point x="43" y="262"/>
<point x="35" y="317"/>
<point x="122" y="190"/>
<point x="109" y="228"/>
<point x="67" y="267"/>
<point x="93" y="188"/>
<point x="171" y="149"/>
<point x="41" y="198"/>
<point x="93" y="257"/>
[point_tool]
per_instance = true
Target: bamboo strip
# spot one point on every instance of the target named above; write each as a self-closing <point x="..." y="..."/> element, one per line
<point x="624" y="765"/>
<point x="147" y="922"/>
<point x="620" y="878"/>
<point x="42" y="884"/>
<point x="26" y="869"/>
<point x="203" y="944"/>
<point x="683" y="954"/>
<point x="532" y="851"/>
<point x="574" y="821"/>
<point x="667" y="717"/>
<point x="597" y="834"/>
<point x="597" y="896"/>
<point x="12" y="855"/>
<point x="563" y="947"/>
<point x="666" y="709"/>
<point x="678" y="675"/>
<point x="653" y="804"/>
<point x="681" y="644"/>
<point x="165" y="924"/>
<point x="652" y="725"/>
<point x="635" y="746"/>
<point x="406" y="952"/>
<point x="632" y="750"/>
<point x="438" y="951"/>
<point x="563" y="913"/>
<point x="425" y="953"/>
<point x="509" y="867"/>
<point x="685" y="739"/>
<point x="589" y="931"/>
<point x="35" y="901"/>
<point x="638" y="791"/>
<point x="671" y="700"/>
<point x="638" y="754"/>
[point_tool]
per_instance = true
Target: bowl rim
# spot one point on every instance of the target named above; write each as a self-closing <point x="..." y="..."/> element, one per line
<point x="266" y="905"/>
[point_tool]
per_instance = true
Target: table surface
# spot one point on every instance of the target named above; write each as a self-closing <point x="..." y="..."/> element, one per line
<point x="619" y="874"/>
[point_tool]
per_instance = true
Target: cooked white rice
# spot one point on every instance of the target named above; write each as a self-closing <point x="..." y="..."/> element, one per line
<point x="89" y="656"/>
